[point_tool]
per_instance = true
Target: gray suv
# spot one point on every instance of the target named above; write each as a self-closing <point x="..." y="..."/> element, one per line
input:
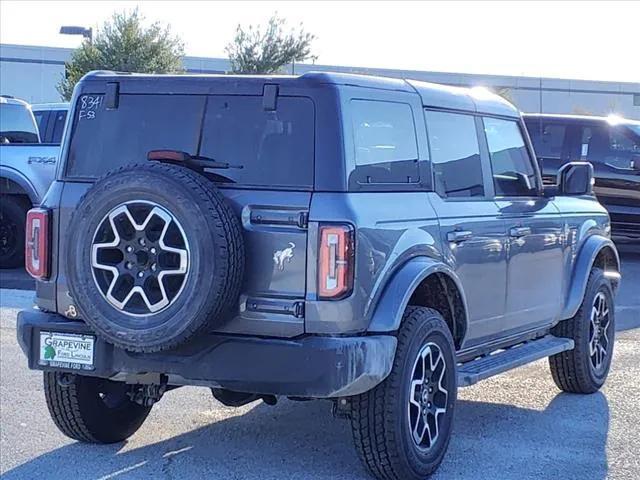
<point x="372" y="241"/>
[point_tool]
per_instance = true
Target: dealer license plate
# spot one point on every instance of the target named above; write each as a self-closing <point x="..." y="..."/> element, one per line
<point x="66" y="350"/>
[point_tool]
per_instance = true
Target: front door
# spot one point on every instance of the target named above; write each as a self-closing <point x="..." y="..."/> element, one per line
<point x="534" y="229"/>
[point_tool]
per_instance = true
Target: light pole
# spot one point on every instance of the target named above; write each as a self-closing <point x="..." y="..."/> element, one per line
<point x="75" y="30"/>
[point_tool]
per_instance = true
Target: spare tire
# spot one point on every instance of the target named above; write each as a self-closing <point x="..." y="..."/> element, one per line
<point x="154" y="256"/>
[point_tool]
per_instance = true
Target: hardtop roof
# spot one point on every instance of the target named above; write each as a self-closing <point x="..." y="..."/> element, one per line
<point x="475" y="100"/>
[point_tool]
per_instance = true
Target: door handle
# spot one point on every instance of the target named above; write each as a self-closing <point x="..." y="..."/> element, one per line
<point x="518" y="232"/>
<point x="458" y="236"/>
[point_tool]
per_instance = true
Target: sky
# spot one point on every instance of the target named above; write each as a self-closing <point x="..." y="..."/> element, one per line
<point x="578" y="40"/>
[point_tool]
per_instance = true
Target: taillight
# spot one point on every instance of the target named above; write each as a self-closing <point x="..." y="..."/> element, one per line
<point x="37" y="243"/>
<point x="335" y="261"/>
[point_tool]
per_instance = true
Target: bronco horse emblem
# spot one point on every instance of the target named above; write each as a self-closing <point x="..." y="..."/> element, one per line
<point x="285" y="255"/>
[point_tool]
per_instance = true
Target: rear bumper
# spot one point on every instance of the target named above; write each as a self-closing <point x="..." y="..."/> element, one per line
<point x="313" y="366"/>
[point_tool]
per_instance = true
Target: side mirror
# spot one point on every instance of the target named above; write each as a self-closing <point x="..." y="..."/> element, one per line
<point x="575" y="178"/>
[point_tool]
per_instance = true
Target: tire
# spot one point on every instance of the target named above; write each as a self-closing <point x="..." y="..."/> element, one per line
<point x="177" y="222"/>
<point x="577" y="370"/>
<point x="381" y="419"/>
<point x="13" y="215"/>
<point x="80" y="412"/>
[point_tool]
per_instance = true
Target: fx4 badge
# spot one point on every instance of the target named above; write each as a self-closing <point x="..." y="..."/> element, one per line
<point x="285" y="255"/>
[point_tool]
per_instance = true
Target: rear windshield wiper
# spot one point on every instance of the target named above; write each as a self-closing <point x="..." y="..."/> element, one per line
<point x="176" y="156"/>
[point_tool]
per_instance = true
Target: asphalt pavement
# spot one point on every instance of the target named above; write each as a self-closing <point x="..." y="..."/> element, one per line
<point x="515" y="426"/>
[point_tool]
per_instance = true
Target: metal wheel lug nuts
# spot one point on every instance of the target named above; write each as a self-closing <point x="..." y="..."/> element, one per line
<point x="128" y="265"/>
<point x="153" y="250"/>
<point x="154" y="267"/>
<point x="129" y="248"/>
<point x="141" y="242"/>
<point x="140" y="274"/>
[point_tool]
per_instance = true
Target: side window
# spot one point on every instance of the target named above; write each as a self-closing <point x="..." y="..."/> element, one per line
<point x="42" y="121"/>
<point x="548" y="139"/>
<point x="58" y="118"/>
<point x="511" y="164"/>
<point x="455" y="154"/>
<point x="614" y="146"/>
<point x="386" y="147"/>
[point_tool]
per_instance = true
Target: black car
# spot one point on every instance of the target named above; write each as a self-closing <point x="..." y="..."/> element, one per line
<point x="611" y="144"/>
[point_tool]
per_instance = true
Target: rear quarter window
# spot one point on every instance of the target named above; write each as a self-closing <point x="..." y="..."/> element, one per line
<point x="385" y="142"/>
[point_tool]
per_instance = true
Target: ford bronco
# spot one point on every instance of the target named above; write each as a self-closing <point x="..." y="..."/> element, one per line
<point x="372" y="241"/>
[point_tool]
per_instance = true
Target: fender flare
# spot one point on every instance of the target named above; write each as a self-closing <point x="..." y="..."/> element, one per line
<point x="580" y="273"/>
<point x="388" y="312"/>
<point x="21" y="181"/>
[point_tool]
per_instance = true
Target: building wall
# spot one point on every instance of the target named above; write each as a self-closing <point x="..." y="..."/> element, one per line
<point x="31" y="73"/>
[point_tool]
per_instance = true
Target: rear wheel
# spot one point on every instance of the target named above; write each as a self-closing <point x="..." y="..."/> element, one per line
<point x="13" y="213"/>
<point x="92" y="409"/>
<point x="402" y="427"/>
<point x="585" y="368"/>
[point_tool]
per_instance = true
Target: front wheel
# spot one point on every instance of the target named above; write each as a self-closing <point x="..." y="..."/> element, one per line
<point x="92" y="410"/>
<point x="402" y="427"/>
<point x="585" y="368"/>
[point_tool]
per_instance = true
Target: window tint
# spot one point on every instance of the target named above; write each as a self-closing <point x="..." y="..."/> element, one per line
<point x="17" y="124"/>
<point x="274" y="148"/>
<point x="383" y="132"/>
<point x="615" y="146"/>
<point x="41" y="120"/>
<point x="386" y="148"/>
<point x="105" y="139"/>
<point x="547" y="138"/>
<point x="513" y="172"/>
<point x="58" y="118"/>
<point x="455" y="154"/>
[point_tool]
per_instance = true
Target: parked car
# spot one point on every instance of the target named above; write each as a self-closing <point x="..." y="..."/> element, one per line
<point x="51" y="119"/>
<point x="27" y="168"/>
<point x="372" y="241"/>
<point x="610" y="144"/>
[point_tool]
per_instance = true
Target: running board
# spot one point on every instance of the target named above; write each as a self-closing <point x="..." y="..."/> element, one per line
<point x="501" y="361"/>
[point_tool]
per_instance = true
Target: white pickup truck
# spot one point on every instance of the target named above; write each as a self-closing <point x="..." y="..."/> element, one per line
<point x="27" y="168"/>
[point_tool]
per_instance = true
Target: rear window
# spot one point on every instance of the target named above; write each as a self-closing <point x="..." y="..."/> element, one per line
<point x="266" y="147"/>
<point x="270" y="147"/>
<point x="105" y="139"/>
<point x="17" y="124"/>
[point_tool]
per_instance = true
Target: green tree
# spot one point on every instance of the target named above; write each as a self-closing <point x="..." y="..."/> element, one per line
<point x="124" y="44"/>
<point x="255" y="50"/>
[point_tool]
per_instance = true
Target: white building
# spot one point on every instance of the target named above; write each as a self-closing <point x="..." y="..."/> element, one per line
<point x="31" y="73"/>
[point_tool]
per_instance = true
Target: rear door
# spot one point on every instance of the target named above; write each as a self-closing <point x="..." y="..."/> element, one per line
<point x="534" y="228"/>
<point x="473" y="233"/>
<point x="270" y="190"/>
<point x="268" y="185"/>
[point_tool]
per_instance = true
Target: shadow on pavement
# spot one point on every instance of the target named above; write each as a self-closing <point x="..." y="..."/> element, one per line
<point x="299" y="440"/>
